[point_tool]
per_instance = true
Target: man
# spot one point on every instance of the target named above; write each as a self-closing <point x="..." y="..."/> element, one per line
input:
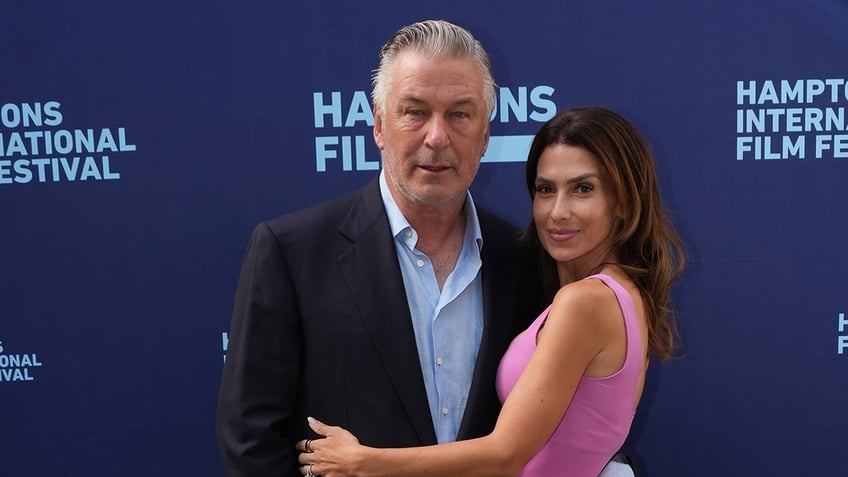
<point x="385" y="311"/>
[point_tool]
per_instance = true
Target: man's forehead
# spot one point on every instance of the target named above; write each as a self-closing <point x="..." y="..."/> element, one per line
<point x="421" y="78"/>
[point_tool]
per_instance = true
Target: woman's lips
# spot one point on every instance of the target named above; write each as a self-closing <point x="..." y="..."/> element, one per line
<point x="561" y="235"/>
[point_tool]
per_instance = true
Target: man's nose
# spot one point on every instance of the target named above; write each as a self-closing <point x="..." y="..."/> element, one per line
<point x="437" y="133"/>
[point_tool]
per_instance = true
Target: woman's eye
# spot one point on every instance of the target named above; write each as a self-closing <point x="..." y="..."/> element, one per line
<point x="543" y="189"/>
<point x="584" y="188"/>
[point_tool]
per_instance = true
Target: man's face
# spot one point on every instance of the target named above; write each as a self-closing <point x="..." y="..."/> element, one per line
<point x="435" y="129"/>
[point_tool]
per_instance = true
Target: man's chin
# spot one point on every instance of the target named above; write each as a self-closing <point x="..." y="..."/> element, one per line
<point x="435" y="195"/>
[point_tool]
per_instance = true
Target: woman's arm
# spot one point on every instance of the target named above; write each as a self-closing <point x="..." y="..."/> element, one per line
<point x="576" y="330"/>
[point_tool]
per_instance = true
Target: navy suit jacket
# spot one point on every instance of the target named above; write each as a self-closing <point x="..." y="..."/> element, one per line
<point x="321" y="327"/>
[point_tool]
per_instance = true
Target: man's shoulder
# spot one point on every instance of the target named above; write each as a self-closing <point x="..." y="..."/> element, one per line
<point x="314" y="214"/>
<point x="327" y="214"/>
<point x="496" y="227"/>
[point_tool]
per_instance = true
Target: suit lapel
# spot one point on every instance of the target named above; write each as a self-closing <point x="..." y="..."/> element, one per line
<point x="372" y="273"/>
<point x="499" y="327"/>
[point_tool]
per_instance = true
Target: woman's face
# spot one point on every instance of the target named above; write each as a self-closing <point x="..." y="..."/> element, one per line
<point x="574" y="208"/>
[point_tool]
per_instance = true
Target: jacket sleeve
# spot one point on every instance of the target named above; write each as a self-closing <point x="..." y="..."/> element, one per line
<point x="258" y="392"/>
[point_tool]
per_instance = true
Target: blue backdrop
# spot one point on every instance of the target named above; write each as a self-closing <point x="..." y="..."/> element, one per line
<point x="140" y="143"/>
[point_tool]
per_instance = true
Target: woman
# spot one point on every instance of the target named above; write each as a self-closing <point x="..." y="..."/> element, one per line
<point x="571" y="382"/>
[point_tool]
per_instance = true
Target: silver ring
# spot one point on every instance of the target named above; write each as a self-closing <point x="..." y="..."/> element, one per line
<point x="309" y="471"/>
<point x="308" y="445"/>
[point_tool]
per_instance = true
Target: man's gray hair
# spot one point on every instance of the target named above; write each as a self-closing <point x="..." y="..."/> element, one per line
<point x="437" y="38"/>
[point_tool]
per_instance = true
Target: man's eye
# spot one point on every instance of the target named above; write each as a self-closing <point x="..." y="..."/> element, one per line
<point x="459" y="114"/>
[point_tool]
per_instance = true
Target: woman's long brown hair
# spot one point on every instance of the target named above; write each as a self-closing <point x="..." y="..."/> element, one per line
<point x="646" y="244"/>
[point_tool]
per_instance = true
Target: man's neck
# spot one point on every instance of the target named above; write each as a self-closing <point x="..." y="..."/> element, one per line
<point x="440" y="237"/>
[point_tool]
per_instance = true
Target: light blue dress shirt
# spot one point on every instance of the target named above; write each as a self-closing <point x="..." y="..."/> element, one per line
<point x="448" y="323"/>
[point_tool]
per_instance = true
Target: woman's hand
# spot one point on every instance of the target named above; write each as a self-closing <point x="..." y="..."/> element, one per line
<point x="336" y="455"/>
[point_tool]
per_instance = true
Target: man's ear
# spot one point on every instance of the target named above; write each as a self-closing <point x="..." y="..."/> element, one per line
<point x="378" y="129"/>
<point x="485" y="143"/>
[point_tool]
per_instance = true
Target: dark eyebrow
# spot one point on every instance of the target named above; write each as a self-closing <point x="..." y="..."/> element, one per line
<point x="581" y="177"/>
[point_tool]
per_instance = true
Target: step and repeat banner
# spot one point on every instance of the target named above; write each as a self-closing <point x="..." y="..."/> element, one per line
<point x="141" y="141"/>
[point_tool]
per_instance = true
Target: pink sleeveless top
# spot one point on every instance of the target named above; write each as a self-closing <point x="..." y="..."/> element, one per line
<point x="599" y="417"/>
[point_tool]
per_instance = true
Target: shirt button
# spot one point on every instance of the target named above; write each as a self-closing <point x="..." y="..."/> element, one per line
<point x="445" y="411"/>
<point x="409" y="233"/>
<point x="439" y="361"/>
<point x="420" y="262"/>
